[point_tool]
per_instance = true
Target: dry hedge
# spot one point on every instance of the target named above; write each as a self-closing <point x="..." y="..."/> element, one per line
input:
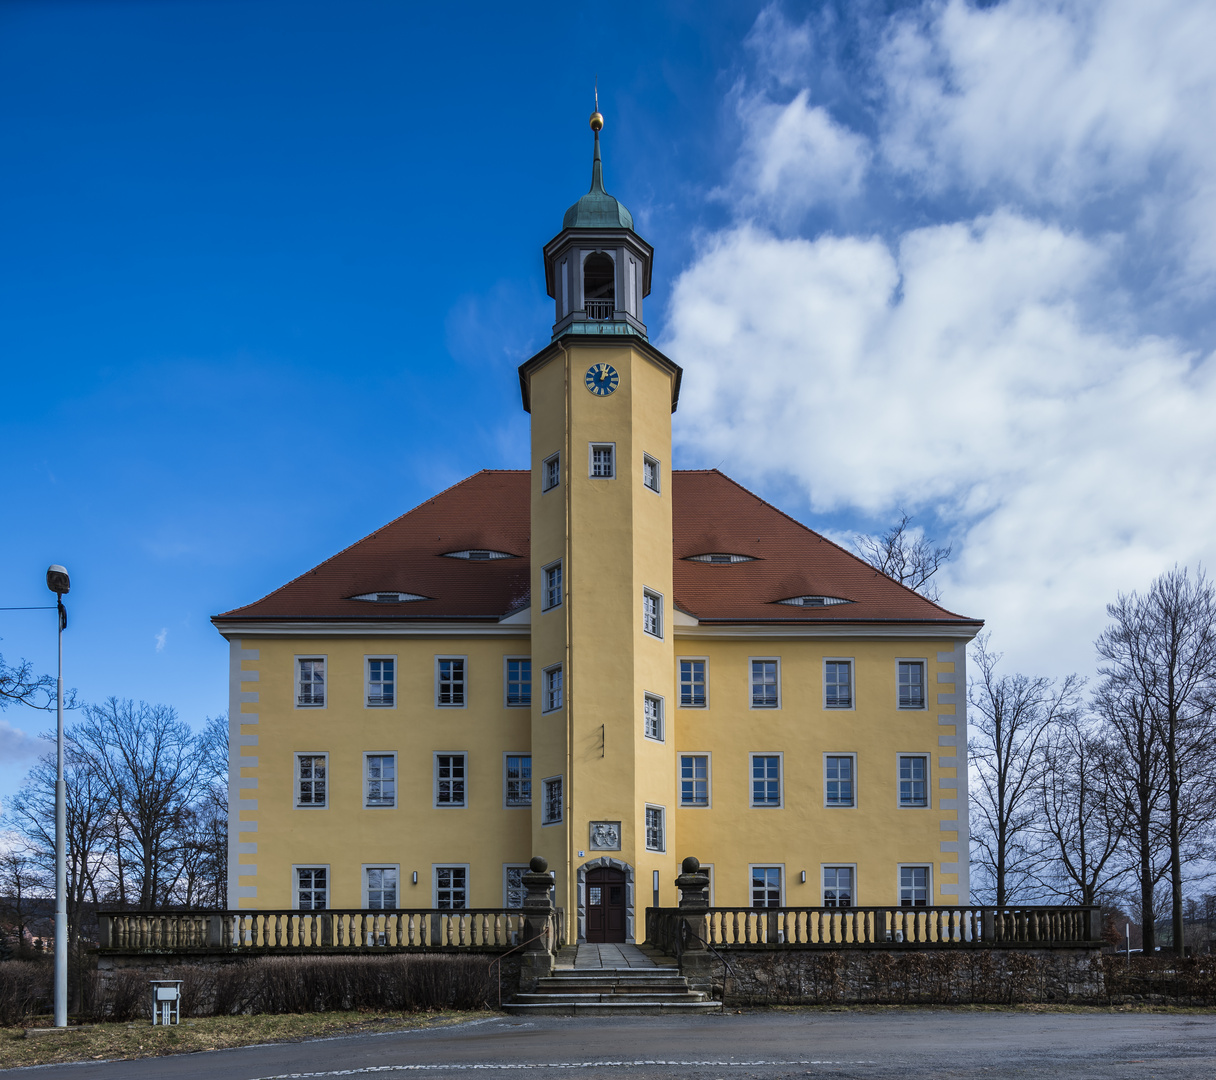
<point x="1189" y="980"/>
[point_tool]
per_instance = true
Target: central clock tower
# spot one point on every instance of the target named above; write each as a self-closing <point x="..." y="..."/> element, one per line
<point x="602" y="612"/>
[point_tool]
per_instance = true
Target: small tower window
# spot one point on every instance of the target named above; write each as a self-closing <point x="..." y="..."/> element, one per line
<point x="599" y="291"/>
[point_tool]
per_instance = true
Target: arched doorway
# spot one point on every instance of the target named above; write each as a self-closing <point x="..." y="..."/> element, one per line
<point x="605" y="904"/>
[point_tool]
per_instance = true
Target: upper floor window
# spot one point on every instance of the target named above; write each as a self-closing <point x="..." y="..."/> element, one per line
<point x="310" y="682"/>
<point x="694" y="779"/>
<point x="519" y="681"/>
<point x="312" y="888"/>
<point x="838" y="780"/>
<point x="450" y="780"/>
<point x="553" y="688"/>
<point x="838" y="684"/>
<point x="553" y="586"/>
<point x="655" y="837"/>
<point x="517" y="780"/>
<point x="650" y="472"/>
<point x="766" y="886"/>
<point x="380" y="780"/>
<point x="692" y="684"/>
<point x="837" y="886"/>
<point x="766" y="779"/>
<point x="911" y="684"/>
<point x="551" y="472"/>
<point x="551" y="808"/>
<point x="450" y="681"/>
<point x="913" y="780"/>
<point x="913" y="886"/>
<point x="652" y="710"/>
<point x="765" y="685"/>
<point x="312" y="779"/>
<point x="603" y="460"/>
<point x="599" y="285"/>
<point x="381" y="885"/>
<point x="381" y="682"/>
<point x="652" y="613"/>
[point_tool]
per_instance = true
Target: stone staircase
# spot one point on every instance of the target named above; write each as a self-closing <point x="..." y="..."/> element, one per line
<point x="613" y="991"/>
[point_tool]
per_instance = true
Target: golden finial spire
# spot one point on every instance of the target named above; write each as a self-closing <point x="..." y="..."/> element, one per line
<point x="597" y="118"/>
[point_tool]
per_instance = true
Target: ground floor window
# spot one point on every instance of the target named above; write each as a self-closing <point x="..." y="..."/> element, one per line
<point x="312" y="888"/>
<point x="513" y="890"/>
<point x="766" y="886"/>
<point x="913" y="886"/>
<point x="381" y="887"/>
<point x="655" y="839"/>
<point x="451" y="888"/>
<point x="837" y="886"/>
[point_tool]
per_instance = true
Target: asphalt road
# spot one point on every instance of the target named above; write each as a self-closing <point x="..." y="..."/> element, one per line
<point x="879" y="1045"/>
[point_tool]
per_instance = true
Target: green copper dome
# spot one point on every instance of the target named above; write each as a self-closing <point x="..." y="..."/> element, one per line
<point x="597" y="209"/>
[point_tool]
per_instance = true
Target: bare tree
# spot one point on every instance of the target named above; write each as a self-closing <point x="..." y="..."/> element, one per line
<point x="204" y="878"/>
<point x="1011" y="717"/>
<point x="21" y="882"/>
<point x="906" y="555"/>
<point x="1162" y="645"/>
<point x="20" y="686"/>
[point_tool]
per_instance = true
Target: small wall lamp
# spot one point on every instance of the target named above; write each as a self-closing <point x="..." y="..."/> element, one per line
<point x="803" y="877"/>
<point x="416" y="877"/>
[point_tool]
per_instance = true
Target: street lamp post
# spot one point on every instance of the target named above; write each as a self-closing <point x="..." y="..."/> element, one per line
<point x="58" y="582"/>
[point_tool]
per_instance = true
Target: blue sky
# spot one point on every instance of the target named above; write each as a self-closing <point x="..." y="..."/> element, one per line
<point x="267" y="270"/>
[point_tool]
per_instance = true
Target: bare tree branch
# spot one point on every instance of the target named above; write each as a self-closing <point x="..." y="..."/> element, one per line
<point x="906" y="555"/>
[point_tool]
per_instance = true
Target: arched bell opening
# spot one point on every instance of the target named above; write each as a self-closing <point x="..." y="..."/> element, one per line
<point x="599" y="286"/>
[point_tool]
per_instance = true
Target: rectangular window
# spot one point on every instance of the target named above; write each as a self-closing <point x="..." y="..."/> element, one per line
<point x="838" y="780"/>
<point x="310" y="682"/>
<point x="381" y="682"/>
<point x="913" y="886"/>
<point x="652" y="613"/>
<point x="553" y="586"/>
<point x="603" y="460"/>
<point x="312" y="779"/>
<point x="380" y="780"/>
<point x="766" y="779"/>
<point x="766" y="886"/>
<point x="766" y="689"/>
<point x="911" y="684"/>
<point x="517" y="677"/>
<point x="655" y="839"/>
<point x="551" y="809"/>
<point x="513" y="891"/>
<point x="381" y="883"/>
<point x="551" y="472"/>
<point x="650" y="472"/>
<point x="652" y="711"/>
<point x="451" y="888"/>
<point x="517" y="780"/>
<point x="913" y="780"/>
<point x="553" y="688"/>
<point x="838" y="684"/>
<point x="449" y="682"/>
<point x="450" y="780"/>
<point x="692" y="684"/>
<point x="694" y="779"/>
<point x="837" y="886"/>
<point x="312" y="888"/>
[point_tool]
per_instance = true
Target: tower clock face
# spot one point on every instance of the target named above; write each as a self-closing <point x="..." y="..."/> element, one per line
<point x="601" y="379"/>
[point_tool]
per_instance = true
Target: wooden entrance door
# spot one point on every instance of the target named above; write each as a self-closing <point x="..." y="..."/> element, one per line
<point x="605" y="905"/>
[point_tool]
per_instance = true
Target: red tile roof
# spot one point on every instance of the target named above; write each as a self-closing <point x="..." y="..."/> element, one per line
<point x="490" y="511"/>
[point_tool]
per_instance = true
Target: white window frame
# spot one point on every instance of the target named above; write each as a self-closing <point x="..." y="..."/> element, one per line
<point x="852" y="706"/>
<point x="709" y="779"/>
<point x="662" y="718"/>
<point x="324" y="658"/>
<point x="591" y="449"/>
<point x="506" y="871"/>
<point x="552" y="459"/>
<point x="546" y="707"/>
<point x="545" y="588"/>
<point x="680" y="684"/>
<point x="295" y="884"/>
<point x="464" y="684"/>
<point x="367" y="780"/>
<point x="751" y="791"/>
<point x="824" y="778"/>
<point x="367" y="679"/>
<point x="752" y="868"/>
<point x="899" y="873"/>
<point x="657" y="596"/>
<point x="365" y="899"/>
<point x="707" y="868"/>
<point x="657" y="486"/>
<point x="516" y="754"/>
<point x="751" y="697"/>
<point x="506" y="683"/>
<point x="927" y="759"/>
<point x="468" y="883"/>
<point x="296" y="781"/>
<point x="544" y="801"/>
<point x="836" y="866"/>
<point x="662" y="825"/>
<point x="435" y="780"/>
<point x="924" y="683"/>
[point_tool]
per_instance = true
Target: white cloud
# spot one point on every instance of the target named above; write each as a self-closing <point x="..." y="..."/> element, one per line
<point x="17" y="746"/>
<point x="161" y="637"/>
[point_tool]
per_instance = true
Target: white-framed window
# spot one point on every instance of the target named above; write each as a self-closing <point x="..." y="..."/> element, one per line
<point x="656" y="832"/>
<point x="450" y="682"/>
<point x="379" y="780"/>
<point x="312" y="780"/>
<point x="766" y="885"/>
<point x="551" y="806"/>
<point x="551" y="472"/>
<point x="310" y="887"/>
<point x="310" y="682"/>
<point x="552" y="677"/>
<point x="650" y="472"/>
<point x="839" y="886"/>
<point x="911" y="681"/>
<point x="551" y="583"/>
<point x="652" y="717"/>
<point x="450" y="780"/>
<point x="766" y="780"/>
<point x="913" y="780"/>
<point x="694" y="780"/>
<point x="517" y="780"/>
<point x="380" y="887"/>
<point x="838" y="684"/>
<point x="839" y="779"/>
<point x="517" y="682"/>
<point x="602" y="461"/>
<point x="914" y="886"/>
<point x="513" y="891"/>
<point x="452" y="887"/>
<point x="381" y="682"/>
<point x="693" y="683"/>
<point x="652" y="613"/>
<point x="766" y="682"/>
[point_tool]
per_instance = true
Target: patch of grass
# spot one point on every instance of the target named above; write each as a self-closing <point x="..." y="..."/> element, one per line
<point x="104" y="1042"/>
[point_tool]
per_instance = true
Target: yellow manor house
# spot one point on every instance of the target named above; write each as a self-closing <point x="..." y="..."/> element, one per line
<point x="601" y="661"/>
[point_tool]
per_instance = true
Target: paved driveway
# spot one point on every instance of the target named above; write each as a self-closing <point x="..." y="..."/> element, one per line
<point x="879" y="1044"/>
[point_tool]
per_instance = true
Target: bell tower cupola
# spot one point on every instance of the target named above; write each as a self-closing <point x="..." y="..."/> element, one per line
<point x="597" y="269"/>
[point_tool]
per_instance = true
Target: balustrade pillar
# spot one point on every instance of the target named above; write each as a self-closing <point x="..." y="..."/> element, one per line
<point x="692" y="948"/>
<point x="538" y="925"/>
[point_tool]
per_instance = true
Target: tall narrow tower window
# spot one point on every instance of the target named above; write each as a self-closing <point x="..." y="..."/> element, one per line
<point x="599" y="290"/>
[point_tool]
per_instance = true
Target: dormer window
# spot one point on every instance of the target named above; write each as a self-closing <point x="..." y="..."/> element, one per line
<point x="724" y="558"/>
<point x="478" y="554"/>
<point x="814" y="601"/>
<point x="599" y="286"/>
<point x="389" y="597"/>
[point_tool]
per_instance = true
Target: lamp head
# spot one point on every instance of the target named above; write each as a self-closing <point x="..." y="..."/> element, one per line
<point x="57" y="580"/>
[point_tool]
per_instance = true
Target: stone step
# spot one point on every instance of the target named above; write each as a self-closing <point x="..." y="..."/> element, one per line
<point x="579" y="999"/>
<point x="614" y="1008"/>
<point x="615" y="980"/>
